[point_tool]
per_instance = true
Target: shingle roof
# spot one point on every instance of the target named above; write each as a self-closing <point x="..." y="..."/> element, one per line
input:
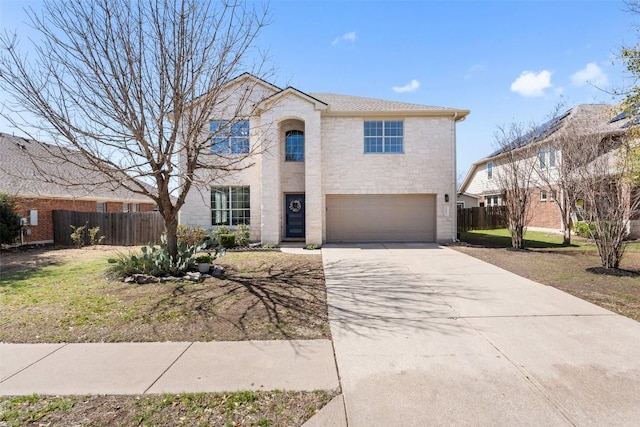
<point x="350" y="103"/>
<point x="29" y="171"/>
<point x="586" y="119"/>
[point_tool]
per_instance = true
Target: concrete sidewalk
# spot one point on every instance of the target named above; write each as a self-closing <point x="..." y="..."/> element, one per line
<point x="171" y="367"/>
<point x="425" y="335"/>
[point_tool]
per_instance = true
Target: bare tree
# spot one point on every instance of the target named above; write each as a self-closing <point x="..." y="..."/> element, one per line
<point x="128" y="86"/>
<point x="608" y="187"/>
<point x="514" y="172"/>
<point x="562" y="153"/>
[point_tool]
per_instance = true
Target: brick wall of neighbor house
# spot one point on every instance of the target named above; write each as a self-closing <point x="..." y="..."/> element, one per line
<point x="43" y="232"/>
<point x="426" y="167"/>
<point x="545" y="214"/>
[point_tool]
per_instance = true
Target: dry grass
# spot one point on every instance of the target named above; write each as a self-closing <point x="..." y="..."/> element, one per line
<point x="66" y="296"/>
<point x="574" y="270"/>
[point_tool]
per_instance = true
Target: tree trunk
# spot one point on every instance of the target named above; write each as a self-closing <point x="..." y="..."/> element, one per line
<point x="171" y="225"/>
<point x="517" y="237"/>
<point x="566" y="238"/>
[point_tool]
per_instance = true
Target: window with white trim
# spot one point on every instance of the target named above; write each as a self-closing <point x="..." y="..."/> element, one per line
<point x="131" y="207"/>
<point x="230" y="205"/>
<point x="384" y="136"/>
<point x="543" y="196"/>
<point x="493" y="200"/>
<point x="489" y="170"/>
<point x="294" y="146"/>
<point x="229" y="137"/>
<point x="547" y="158"/>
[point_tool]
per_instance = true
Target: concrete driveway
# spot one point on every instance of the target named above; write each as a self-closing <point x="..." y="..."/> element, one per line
<point x="425" y="335"/>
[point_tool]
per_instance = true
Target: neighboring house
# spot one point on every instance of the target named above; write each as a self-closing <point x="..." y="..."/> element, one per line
<point x="465" y="200"/>
<point x="481" y="182"/>
<point x="337" y="168"/>
<point x="30" y="178"/>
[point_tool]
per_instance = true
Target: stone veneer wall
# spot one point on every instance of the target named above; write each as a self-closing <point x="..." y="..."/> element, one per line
<point x="426" y="167"/>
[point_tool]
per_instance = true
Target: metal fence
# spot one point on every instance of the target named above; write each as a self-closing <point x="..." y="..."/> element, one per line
<point x="119" y="228"/>
<point x="484" y="218"/>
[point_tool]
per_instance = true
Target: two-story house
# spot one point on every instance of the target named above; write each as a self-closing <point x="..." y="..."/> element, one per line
<point x="332" y="168"/>
<point x="586" y="123"/>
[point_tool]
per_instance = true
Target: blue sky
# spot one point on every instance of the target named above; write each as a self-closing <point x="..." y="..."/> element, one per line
<point x="505" y="61"/>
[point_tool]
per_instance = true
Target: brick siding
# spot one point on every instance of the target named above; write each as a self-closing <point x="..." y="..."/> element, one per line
<point x="43" y="232"/>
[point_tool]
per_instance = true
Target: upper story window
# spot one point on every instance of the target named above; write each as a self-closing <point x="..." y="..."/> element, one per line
<point x="547" y="158"/>
<point x="489" y="170"/>
<point x="383" y="136"/>
<point x="229" y="138"/>
<point x="294" y="146"/>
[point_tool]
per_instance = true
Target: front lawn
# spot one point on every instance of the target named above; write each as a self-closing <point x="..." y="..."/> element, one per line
<point x="246" y="408"/>
<point x="67" y="296"/>
<point x="573" y="269"/>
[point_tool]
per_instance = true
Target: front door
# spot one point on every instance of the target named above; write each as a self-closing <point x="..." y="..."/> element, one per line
<point x="294" y="206"/>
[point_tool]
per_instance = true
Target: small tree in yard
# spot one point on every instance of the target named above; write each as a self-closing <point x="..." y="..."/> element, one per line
<point x="608" y="186"/>
<point x="570" y="133"/>
<point x="125" y="89"/>
<point x="513" y="172"/>
<point x="9" y="221"/>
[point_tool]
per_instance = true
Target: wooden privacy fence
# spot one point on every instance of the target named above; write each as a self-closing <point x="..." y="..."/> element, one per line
<point x="484" y="218"/>
<point x="118" y="228"/>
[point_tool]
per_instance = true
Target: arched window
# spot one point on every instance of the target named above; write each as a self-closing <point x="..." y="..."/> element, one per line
<point x="294" y="146"/>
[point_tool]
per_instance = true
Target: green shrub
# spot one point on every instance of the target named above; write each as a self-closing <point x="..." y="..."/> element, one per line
<point x="243" y="235"/>
<point x="9" y="220"/>
<point x="83" y="234"/>
<point x="227" y="240"/>
<point x="581" y="229"/>
<point x="94" y="237"/>
<point x="191" y="236"/>
<point x="312" y="247"/>
<point x="269" y="246"/>
<point x="79" y="235"/>
<point x="204" y="259"/>
<point x="155" y="260"/>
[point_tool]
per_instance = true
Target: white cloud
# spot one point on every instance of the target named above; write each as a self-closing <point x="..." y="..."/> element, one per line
<point x="347" y="37"/>
<point x="591" y="74"/>
<point x="532" y="84"/>
<point x="411" y="87"/>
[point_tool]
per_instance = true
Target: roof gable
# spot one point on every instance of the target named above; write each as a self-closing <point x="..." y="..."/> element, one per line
<point x="291" y="91"/>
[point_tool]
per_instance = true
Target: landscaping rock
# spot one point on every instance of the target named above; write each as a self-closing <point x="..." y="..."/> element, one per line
<point x="193" y="276"/>
<point x="218" y="271"/>
<point x="170" y="279"/>
<point x="141" y="279"/>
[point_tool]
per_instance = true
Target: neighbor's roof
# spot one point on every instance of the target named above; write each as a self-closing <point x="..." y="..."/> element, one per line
<point x="593" y="119"/>
<point x="357" y="104"/>
<point x="29" y="171"/>
<point x="590" y="119"/>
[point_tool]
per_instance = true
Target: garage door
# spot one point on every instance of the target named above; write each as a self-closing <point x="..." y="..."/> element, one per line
<point x="381" y="218"/>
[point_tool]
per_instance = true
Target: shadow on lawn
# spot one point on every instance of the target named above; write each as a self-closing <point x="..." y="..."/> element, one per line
<point x="272" y="303"/>
<point x="20" y="265"/>
<point x="492" y="241"/>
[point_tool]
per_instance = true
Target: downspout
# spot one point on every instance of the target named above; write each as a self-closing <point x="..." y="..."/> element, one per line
<point x="454" y="193"/>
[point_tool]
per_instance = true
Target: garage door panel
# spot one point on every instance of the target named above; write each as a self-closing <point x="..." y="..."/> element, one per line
<point x="381" y="218"/>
